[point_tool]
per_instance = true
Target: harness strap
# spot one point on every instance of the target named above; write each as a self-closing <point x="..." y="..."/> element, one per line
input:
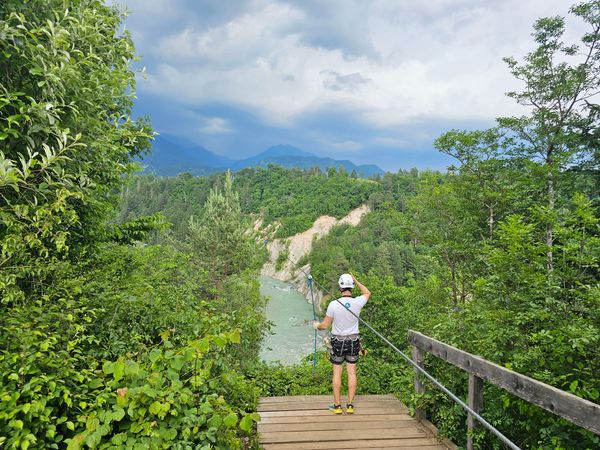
<point x="346" y="337"/>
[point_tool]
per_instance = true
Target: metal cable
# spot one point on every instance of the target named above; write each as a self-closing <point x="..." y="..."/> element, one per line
<point x="312" y="300"/>
<point x="443" y="388"/>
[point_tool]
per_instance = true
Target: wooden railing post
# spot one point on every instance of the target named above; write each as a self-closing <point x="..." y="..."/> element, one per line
<point x="475" y="403"/>
<point x="417" y="357"/>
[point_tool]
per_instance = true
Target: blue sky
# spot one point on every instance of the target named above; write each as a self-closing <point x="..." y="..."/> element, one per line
<point x="371" y="81"/>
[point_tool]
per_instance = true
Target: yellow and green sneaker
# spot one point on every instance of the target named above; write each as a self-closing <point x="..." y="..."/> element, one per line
<point x="336" y="409"/>
<point x="349" y="408"/>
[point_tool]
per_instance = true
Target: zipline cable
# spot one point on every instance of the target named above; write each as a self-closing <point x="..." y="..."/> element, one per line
<point x="419" y="369"/>
<point x="312" y="301"/>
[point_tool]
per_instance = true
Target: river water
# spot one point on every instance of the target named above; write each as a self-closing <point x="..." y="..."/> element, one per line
<point x="291" y="315"/>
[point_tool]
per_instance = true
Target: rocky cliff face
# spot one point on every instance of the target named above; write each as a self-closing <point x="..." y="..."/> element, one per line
<point x="300" y="245"/>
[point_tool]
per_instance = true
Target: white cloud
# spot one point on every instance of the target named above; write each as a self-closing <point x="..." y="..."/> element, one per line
<point x="435" y="60"/>
<point x="216" y="125"/>
<point x="233" y="44"/>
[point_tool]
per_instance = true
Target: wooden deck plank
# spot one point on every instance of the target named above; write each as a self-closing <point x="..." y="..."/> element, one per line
<point x="325" y="412"/>
<point x="420" y="444"/>
<point x="332" y="418"/>
<point x="322" y="426"/>
<point x="300" y="398"/>
<point x="304" y="422"/>
<point x="295" y="406"/>
<point x="324" y="402"/>
<point x="340" y="435"/>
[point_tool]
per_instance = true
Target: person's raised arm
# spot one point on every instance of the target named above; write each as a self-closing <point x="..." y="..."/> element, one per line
<point x="363" y="289"/>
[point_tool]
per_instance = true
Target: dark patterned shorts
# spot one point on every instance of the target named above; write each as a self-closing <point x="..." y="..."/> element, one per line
<point x="344" y="348"/>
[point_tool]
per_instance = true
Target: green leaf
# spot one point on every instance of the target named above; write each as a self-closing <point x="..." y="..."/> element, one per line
<point x="92" y="423"/>
<point x="119" y="439"/>
<point x="76" y="442"/>
<point x="16" y="424"/>
<point x="177" y="362"/>
<point x="108" y="367"/>
<point x="168" y="434"/>
<point x="573" y="385"/>
<point x="155" y="408"/>
<point x="93" y="439"/>
<point x="215" y="421"/>
<point x="95" y="383"/>
<point x="154" y="355"/>
<point x="220" y="341"/>
<point x="203" y="345"/>
<point x="119" y="369"/>
<point x="132" y="368"/>
<point x="230" y="420"/>
<point x="118" y="414"/>
<point x="246" y="423"/>
<point x="235" y="336"/>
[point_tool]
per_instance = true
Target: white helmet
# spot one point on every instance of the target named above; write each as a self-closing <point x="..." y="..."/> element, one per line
<point x="346" y="281"/>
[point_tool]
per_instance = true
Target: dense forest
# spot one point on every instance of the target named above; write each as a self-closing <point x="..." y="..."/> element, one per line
<point x="291" y="198"/>
<point x="131" y="314"/>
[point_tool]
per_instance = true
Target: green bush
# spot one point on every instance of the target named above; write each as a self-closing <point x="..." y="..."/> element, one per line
<point x="55" y="391"/>
<point x="168" y="398"/>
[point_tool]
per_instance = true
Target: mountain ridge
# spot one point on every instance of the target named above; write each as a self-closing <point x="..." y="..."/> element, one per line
<point x="172" y="155"/>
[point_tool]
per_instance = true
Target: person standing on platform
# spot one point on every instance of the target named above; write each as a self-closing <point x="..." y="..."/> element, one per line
<point x="345" y="337"/>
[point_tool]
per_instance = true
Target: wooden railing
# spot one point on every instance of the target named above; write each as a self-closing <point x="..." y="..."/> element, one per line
<point x="575" y="409"/>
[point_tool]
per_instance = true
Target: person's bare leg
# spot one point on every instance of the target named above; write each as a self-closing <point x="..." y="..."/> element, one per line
<point x="351" y="368"/>
<point x="337" y="383"/>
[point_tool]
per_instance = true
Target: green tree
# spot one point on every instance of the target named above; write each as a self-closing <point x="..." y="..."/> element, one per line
<point x="486" y="180"/>
<point x="66" y="140"/>
<point x="383" y="261"/>
<point x="66" y="133"/>
<point x="220" y="238"/>
<point x="438" y="219"/>
<point x="559" y="78"/>
<point x="69" y="295"/>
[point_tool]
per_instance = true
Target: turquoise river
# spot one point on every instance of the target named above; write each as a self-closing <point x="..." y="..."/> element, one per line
<point x="291" y="315"/>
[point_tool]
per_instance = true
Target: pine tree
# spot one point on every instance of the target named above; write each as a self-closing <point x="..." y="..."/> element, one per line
<point x="220" y="239"/>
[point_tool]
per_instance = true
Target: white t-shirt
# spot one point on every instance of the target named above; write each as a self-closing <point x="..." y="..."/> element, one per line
<point x="344" y="323"/>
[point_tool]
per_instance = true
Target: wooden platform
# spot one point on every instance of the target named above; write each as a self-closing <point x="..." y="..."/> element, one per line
<point x="304" y="422"/>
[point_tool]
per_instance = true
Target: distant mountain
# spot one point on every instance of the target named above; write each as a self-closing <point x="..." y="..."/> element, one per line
<point x="270" y="156"/>
<point x="284" y="150"/>
<point x="172" y="155"/>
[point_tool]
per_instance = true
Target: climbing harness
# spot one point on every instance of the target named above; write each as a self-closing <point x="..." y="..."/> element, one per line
<point x="345" y="348"/>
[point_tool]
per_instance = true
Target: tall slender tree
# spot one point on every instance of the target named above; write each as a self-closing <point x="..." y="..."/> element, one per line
<point x="559" y="80"/>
